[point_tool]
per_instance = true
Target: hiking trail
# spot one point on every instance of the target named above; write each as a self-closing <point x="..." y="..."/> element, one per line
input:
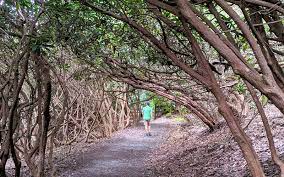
<point x="124" y="154"/>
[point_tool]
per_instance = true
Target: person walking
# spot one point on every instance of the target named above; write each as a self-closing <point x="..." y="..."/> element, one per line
<point x="147" y="112"/>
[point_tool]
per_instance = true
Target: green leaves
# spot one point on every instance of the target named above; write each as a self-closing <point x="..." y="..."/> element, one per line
<point x="240" y="87"/>
<point x="17" y="6"/>
<point x="263" y="100"/>
<point x="41" y="43"/>
<point x="25" y="3"/>
<point x="163" y="104"/>
<point x="65" y="67"/>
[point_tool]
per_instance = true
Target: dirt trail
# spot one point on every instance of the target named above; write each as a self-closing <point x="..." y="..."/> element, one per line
<point x="122" y="155"/>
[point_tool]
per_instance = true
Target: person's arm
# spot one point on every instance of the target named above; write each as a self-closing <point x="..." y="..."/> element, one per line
<point x="142" y="111"/>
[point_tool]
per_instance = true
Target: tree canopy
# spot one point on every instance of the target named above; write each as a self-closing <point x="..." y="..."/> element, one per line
<point x="183" y="50"/>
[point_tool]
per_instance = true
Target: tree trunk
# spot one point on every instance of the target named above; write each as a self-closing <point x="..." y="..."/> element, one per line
<point x="232" y="121"/>
<point x="267" y="128"/>
<point x="46" y="118"/>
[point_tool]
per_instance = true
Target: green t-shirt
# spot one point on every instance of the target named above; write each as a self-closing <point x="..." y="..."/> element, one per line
<point x="147" y="112"/>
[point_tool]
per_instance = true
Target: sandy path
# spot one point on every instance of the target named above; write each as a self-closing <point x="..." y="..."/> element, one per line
<point x="123" y="155"/>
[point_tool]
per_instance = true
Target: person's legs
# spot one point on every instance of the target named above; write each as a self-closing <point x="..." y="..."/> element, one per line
<point x="148" y="126"/>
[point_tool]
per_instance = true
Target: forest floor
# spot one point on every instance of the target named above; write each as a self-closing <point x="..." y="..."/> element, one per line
<point x="123" y="155"/>
<point x="187" y="150"/>
<point x="191" y="151"/>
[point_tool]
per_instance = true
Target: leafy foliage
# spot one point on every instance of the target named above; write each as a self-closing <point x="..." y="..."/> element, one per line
<point x="163" y="105"/>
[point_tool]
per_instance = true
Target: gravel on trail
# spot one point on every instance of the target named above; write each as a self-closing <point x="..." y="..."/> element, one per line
<point x="123" y="155"/>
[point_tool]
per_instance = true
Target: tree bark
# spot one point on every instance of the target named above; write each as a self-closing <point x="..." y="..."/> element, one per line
<point x="233" y="123"/>
<point x="46" y="117"/>
<point x="267" y="128"/>
<point x="8" y="142"/>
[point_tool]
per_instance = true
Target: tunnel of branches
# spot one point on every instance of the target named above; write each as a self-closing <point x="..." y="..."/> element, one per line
<point x="74" y="71"/>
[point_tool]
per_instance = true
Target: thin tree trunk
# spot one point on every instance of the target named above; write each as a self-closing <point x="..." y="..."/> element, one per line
<point x="8" y="143"/>
<point x="16" y="160"/>
<point x="267" y="128"/>
<point x="45" y="120"/>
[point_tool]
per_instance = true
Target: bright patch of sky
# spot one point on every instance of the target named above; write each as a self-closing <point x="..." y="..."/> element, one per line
<point x="1" y="2"/>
